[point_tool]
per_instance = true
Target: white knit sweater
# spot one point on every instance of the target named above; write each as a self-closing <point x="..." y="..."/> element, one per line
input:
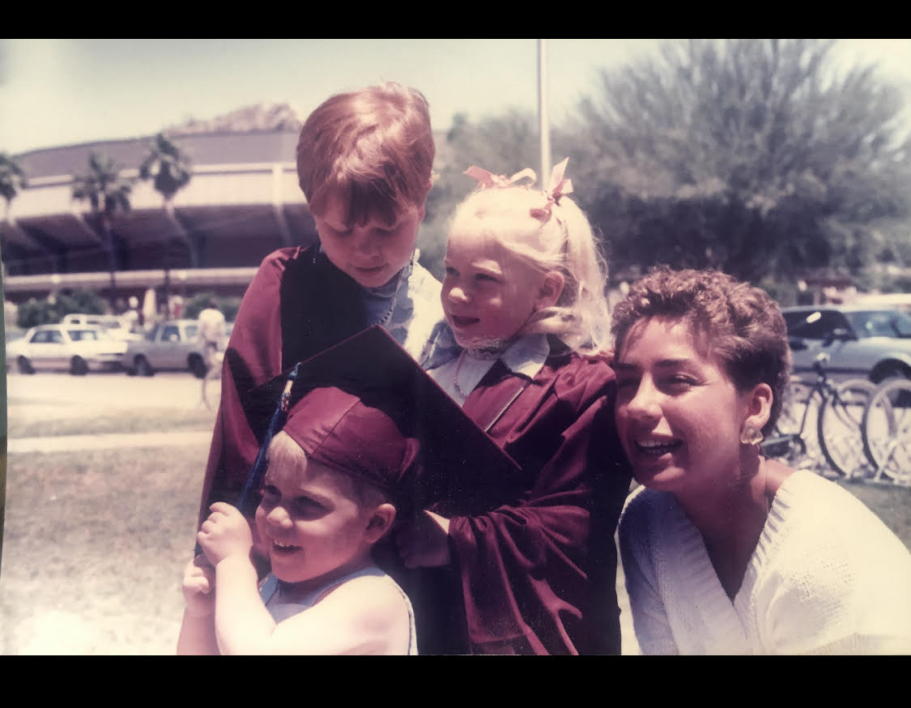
<point x="826" y="577"/>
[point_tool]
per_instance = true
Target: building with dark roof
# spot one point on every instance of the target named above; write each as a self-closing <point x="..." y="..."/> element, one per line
<point x="242" y="202"/>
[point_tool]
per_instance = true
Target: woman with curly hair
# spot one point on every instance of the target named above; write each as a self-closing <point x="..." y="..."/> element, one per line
<point x="725" y="551"/>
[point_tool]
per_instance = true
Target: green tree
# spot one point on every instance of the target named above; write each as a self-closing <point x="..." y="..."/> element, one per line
<point x="108" y="194"/>
<point x="752" y="156"/>
<point x="169" y="168"/>
<point x="501" y="144"/>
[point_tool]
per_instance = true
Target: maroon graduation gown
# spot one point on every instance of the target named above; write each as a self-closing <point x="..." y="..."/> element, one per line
<point x="297" y="305"/>
<point x="537" y="573"/>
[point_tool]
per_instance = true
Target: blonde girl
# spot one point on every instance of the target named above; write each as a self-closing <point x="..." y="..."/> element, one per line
<point x="523" y="298"/>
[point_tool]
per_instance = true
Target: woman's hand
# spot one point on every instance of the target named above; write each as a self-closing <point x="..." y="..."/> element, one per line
<point x="225" y="533"/>
<point x="425" y="543"/>
<point x="199" y="587"/>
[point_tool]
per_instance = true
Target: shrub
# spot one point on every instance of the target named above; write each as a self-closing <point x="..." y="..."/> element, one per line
<point x="80" y="301"/>
<point x="38" y="312"/>
<point x="47" y="311"/>
<point x="199" y="302"/>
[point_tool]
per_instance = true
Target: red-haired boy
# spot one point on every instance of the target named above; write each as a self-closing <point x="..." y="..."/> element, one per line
<point x="364" y="162"/>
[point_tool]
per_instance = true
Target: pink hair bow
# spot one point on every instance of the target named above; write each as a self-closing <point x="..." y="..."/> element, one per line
<point x="489" y="179"/>
<point x="559" y="186"/>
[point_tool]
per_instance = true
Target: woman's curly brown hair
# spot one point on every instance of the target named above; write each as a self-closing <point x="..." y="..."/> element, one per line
<point x="739" y="324"/>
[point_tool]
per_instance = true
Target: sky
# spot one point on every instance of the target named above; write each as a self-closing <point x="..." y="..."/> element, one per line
<point x="64" y="91"/>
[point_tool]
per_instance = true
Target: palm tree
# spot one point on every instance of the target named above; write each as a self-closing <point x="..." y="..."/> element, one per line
<point x="12" y="180"/>
<point x="169" y="168"/>
<point x="107" y="193"/>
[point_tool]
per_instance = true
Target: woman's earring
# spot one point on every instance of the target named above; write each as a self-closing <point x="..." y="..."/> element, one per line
<point x="750" y="436"/>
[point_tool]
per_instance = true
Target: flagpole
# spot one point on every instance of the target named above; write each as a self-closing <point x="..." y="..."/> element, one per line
<point x="543" y="122"/>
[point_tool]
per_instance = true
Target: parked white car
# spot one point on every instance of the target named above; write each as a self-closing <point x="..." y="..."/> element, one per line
<point x="167" y="346"/>
<point x="74" y="348"/>
<point x="870" y="342"/>
<point x="117" y="326"/>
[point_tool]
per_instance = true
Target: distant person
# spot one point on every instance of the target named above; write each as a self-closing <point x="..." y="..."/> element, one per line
<point x="134" y="315"/>
<point x="726" y="551"/>
<point x="364" y="163"/>
<point x="529" y="568"/>
<point x="210" y="336"/>
<point x="211" y="332"/>
<point x="326" y="500"/>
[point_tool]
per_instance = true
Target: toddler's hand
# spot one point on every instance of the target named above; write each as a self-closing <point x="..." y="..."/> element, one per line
<point x="225" y="533"/>
<point x="424" y="543"/>
<point x="199" y="587"/>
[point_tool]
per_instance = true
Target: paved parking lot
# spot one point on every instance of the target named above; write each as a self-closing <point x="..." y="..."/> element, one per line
<point x="113" y="390"/>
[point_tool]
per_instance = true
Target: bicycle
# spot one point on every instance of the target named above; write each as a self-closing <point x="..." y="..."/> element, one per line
<point x="886" y="428"/>
<point x="839" y="416"/>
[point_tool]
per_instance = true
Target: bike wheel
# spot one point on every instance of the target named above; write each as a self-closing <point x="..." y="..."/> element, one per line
<point x="840" y="423"/>
<point x="797" y="406"/>
<point x="886" y="430"/>
<point x="796" y="399"/>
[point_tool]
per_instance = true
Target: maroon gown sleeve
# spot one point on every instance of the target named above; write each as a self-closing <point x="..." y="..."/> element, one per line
<point x="297" y="305"/>
<point x="253" y="357"/>
<point x="534" y="576"/>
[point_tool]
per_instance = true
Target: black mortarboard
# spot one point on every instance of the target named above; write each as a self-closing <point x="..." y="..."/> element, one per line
<point x="459" y="465"/>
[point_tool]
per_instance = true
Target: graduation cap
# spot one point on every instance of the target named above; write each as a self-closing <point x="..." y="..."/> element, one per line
<point x="338" y="429"/>
<point x="366" y="407"/>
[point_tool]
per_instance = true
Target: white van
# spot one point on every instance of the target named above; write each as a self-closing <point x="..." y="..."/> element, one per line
<point x="116" y="327"/>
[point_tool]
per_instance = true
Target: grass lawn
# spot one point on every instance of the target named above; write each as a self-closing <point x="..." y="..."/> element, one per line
<point x="94" y="548"/>
<point x="134" y="420"/>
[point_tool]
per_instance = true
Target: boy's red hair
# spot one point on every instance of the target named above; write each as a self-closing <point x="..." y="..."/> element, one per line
<point x="373" y="148"/>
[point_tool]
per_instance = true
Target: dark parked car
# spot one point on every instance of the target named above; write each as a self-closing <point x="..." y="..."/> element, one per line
<point x="861" y="341"/>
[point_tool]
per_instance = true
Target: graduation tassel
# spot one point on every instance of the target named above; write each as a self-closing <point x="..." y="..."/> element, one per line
<point x="254" y="478"/>
<point x="246" y="499"/>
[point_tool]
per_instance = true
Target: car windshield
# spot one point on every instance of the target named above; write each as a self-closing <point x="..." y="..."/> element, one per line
<point x="191" y="331"/>
<point x="883" y="323"/>
<point x="813" y="324"/>
<point x="86" y="335"/>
